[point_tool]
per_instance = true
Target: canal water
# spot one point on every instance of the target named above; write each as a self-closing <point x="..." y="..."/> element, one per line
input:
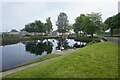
<point x="22" y="52"/>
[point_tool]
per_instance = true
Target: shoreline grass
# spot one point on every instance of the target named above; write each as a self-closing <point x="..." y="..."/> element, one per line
<point x="99" y="60"/>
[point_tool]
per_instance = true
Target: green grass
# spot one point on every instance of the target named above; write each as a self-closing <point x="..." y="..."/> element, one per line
<point x="46" y="57"/>
<point x="99" y="60"/>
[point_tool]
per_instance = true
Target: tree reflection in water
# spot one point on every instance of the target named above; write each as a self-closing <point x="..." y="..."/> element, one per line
<point x="62" y="44"/>
<point x="38" y="48"/>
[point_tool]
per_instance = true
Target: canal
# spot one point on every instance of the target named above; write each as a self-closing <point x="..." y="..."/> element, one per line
<point x="24" y="51"/>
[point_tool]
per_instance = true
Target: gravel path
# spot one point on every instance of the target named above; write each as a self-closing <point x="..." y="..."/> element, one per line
<point x="34" y="64"/>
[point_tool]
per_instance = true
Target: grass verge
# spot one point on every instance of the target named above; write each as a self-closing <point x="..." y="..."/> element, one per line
<point x="99" y="60"/>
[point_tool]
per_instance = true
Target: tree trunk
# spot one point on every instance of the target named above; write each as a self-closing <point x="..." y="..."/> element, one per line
<point x="111" y="31"/>
<point x="77" y="34"/>
<point x="92" y="35"/>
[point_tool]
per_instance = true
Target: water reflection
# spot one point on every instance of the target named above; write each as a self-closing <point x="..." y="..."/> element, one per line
<point x="62" y="44"/>
<point x="38" y="47"/>
<point x="66" y="44"/>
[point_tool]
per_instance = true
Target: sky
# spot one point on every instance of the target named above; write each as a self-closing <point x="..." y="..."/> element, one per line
<point x="16" y="14"/>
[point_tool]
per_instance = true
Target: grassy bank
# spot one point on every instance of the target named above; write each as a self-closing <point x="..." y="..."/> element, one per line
<point x="46" y="57"/>
<point x="99" y="60"/>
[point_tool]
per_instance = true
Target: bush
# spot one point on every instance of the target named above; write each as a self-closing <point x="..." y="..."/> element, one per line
<point x="92" y="42"/>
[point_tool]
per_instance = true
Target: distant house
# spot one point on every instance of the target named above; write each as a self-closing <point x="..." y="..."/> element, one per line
<point x="13" y="31"/>
<point x="56" y="33"/>
<point x="23" y="32"/>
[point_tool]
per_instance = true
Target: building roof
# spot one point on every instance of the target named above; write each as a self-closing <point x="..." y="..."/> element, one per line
<point x="13" y="30"/>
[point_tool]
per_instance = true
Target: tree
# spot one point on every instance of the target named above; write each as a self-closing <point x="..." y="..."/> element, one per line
<point x="76" y="29"/>
<point x="48" y="25"/>
<point x="36" y="26"/>
<point x="110" y="21"/>
<point x="68" y="27"/>
<point x="113" y="23"/>
<point x="103" y="28"/>
<point x="94" y="23"/>
<point x="118" y="22"/>
<point x="85" y="23"/>
<point x="89" y="24"/>
<point x="30" y="27"/>
<point x="40" y="27"/>
<point x="77" y="25"/>
<point x="61" y="22"/>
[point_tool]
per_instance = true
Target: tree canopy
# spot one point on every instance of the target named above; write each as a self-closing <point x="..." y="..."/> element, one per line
<point x="62" y="22"/>
<point x="48" y="25"/>
<point x="89" y="23"/>
<point x="30" y="27"/>
<point x="113" y="22"/>
<point x="78" y="25"/>
<point x="38" y="26"/>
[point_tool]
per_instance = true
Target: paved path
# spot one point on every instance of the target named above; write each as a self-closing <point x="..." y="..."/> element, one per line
<point x="114" y="39"/>
<point x="37" y="63"/>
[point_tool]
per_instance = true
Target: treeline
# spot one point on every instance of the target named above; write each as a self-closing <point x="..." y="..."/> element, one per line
<point x="39" y="26"/>
<point x="92" y="23"/>
<point x="85" y="24"/>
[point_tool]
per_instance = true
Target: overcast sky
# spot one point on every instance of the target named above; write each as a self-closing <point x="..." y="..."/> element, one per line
<point x="16" y="14"/>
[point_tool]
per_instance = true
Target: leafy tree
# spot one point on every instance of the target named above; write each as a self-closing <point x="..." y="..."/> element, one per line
<point x="85" y="23"/>
<point x="89" y="23"/>
<point x="118" y="20"/>
<point x="36" y="26"/>
<point x="68" y="27"/>
<point x="76" y="29"/>
<point x="40" y="27"/>
<point x="61" y="22"/>
<point x="113" y="23"/>
<point x="78" y="24"/>
<point x="103" y="27"/>
<point x="110" y="21"/>
<point x="48" y="25"/>
<point x="30" y="27"/>
<point x="94" y="23"/>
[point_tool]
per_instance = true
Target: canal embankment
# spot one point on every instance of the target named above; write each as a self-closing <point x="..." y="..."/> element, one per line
<point x="98" y="60"/>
